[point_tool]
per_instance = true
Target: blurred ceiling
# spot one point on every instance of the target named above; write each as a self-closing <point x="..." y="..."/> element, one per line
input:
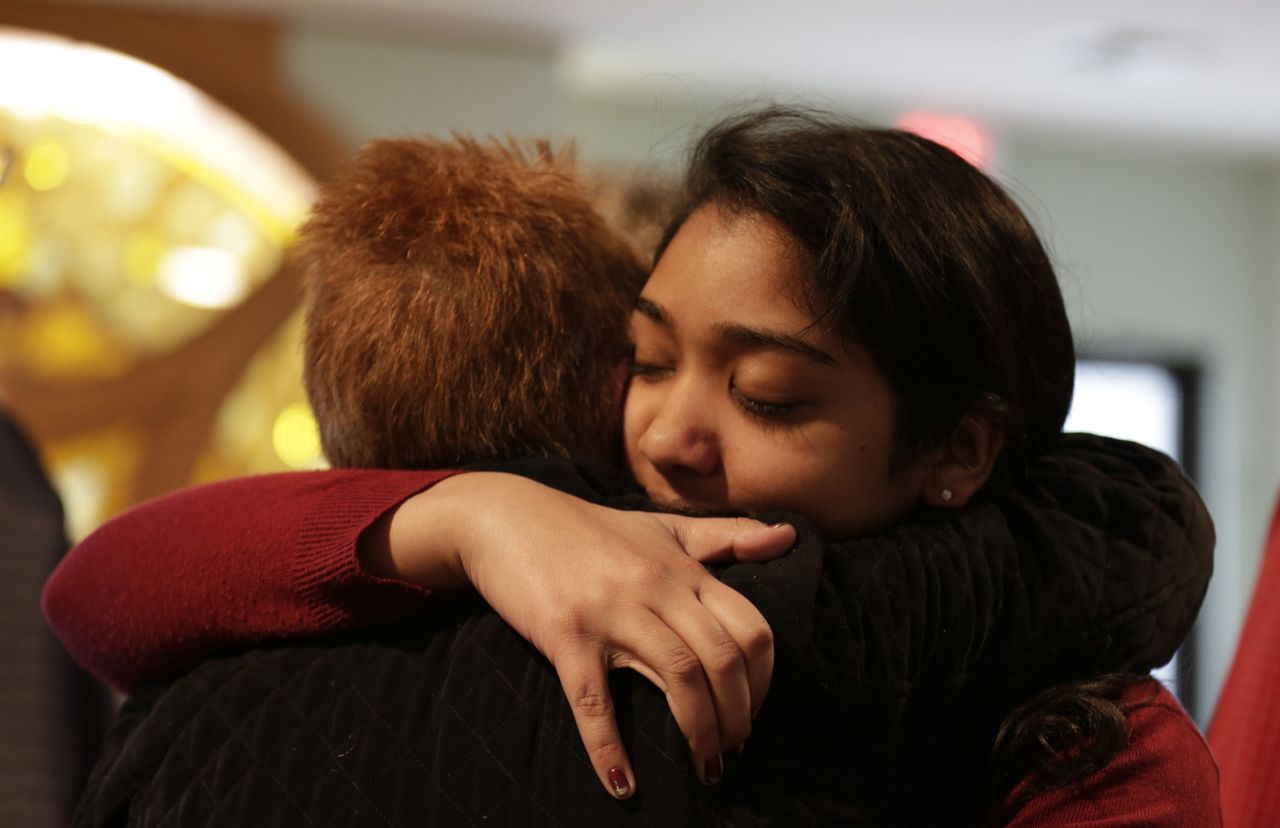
<point x="1186" y="70"/>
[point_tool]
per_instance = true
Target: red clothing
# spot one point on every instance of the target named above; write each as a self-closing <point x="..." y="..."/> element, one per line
<point x="928" y="601"/>
<point x="1165" y="778"/>
<point x="1245" y="734"/>
<point x="162" y="617"/>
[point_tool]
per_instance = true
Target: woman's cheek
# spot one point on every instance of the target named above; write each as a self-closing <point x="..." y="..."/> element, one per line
<point x="759" y="477"/>
<point x="636" y="416"/>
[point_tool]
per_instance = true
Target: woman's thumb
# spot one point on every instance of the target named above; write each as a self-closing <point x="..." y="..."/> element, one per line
<point x="720" y="540"/>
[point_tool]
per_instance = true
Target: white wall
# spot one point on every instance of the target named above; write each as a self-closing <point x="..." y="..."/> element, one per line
<point x="373" y="88"/>
<point x="1167" y="255"/>
<point x="376" y="87"/>
<point x="1162" y="254"/>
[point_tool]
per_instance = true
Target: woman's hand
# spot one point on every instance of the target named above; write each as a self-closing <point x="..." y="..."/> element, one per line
<point x="595" y="589"/>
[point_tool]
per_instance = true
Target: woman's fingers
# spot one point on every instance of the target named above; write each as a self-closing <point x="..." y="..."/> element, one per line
<point x="721" y="540"/>
<point x="584" y="677"/>
<point x="750" y="631"/>
<point x="627" y="579"/>
<point x="721" y="660"/>
<point x="764" y="542"/>
<point x="654" y="650"/>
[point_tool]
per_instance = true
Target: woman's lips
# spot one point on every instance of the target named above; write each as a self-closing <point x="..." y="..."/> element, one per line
<point x="687" y="494"/>
<point x="693" y="508"/>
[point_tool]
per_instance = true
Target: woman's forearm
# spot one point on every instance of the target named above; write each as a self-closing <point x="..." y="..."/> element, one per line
<point x="417" y="541"/>
<point x="216" y="567"/>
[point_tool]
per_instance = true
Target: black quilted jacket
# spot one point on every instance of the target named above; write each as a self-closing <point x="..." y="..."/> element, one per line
<point x="897" y="655"/>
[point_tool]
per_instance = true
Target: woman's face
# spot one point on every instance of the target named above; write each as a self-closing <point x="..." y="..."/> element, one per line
<point x="737" y="405"/>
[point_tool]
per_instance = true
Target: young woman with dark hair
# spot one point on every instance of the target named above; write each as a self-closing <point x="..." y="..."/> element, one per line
<point x="844" y="326"/>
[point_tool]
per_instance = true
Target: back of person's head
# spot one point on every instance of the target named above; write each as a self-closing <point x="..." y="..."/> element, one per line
<point x="916" y="256"/>
<point x="466" y="303"/>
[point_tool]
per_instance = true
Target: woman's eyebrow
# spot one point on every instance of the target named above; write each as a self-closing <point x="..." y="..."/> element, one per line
<point x="742" y="336"/>
<point x="653" y="311"/>
<point x="774" y="340"/>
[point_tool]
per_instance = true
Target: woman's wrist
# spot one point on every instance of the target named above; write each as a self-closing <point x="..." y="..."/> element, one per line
<point x="418" y="541"/>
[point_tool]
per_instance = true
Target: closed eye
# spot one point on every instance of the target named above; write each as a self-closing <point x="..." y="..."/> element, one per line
<point x="646" y="370"/>
<point x="764" y="409"/>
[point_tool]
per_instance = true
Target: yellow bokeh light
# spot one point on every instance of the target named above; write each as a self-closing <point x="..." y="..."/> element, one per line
<point x="142" y="257"/>
<point x="296" y="437"/>
<point x="15" y="238"/>
<point x="64" y="341"/>
<point x="91" y="470"/>
<point x="47" y="166"/>
<point x="203" y="277"/>
<point x="135" y="214"/>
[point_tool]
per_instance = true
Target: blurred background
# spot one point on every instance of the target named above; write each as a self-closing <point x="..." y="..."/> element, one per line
<point x="157" y="156"/>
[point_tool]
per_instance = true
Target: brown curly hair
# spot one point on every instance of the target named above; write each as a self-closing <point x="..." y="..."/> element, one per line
<point x="466" y="302"/>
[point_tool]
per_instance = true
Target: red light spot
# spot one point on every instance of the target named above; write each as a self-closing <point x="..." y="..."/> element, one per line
<point x="963" y="136"/>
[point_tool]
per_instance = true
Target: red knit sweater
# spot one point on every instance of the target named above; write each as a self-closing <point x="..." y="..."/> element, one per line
<point x="129" y="607"/>
<point x="131" y="604"/>
<point x="1165" y="777"/>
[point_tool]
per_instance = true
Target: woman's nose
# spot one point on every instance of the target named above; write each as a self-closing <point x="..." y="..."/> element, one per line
<point x="680" y="438"/>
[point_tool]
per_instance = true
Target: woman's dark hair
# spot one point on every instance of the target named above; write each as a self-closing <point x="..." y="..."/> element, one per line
<point x="1066" y="733"/>
<point x="917" y="256"/>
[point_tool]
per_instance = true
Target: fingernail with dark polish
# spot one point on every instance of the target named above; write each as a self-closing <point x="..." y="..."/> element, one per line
<point x="713" y="770"/>
<point x="618" y="779"/>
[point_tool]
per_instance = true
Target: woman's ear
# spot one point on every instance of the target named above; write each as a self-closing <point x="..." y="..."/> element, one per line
<point x="961" y="466"/>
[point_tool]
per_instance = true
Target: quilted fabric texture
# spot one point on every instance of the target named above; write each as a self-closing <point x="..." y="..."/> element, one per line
<point x="896" y="657"/>
<point x="430" y="723"/>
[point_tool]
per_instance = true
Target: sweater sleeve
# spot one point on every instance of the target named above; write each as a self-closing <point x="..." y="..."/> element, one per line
<point x="162" y="586"/>
<point x="1096" y="562"/>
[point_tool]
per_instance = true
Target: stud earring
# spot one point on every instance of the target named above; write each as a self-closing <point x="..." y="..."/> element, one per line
<point x="947" y="494"/>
